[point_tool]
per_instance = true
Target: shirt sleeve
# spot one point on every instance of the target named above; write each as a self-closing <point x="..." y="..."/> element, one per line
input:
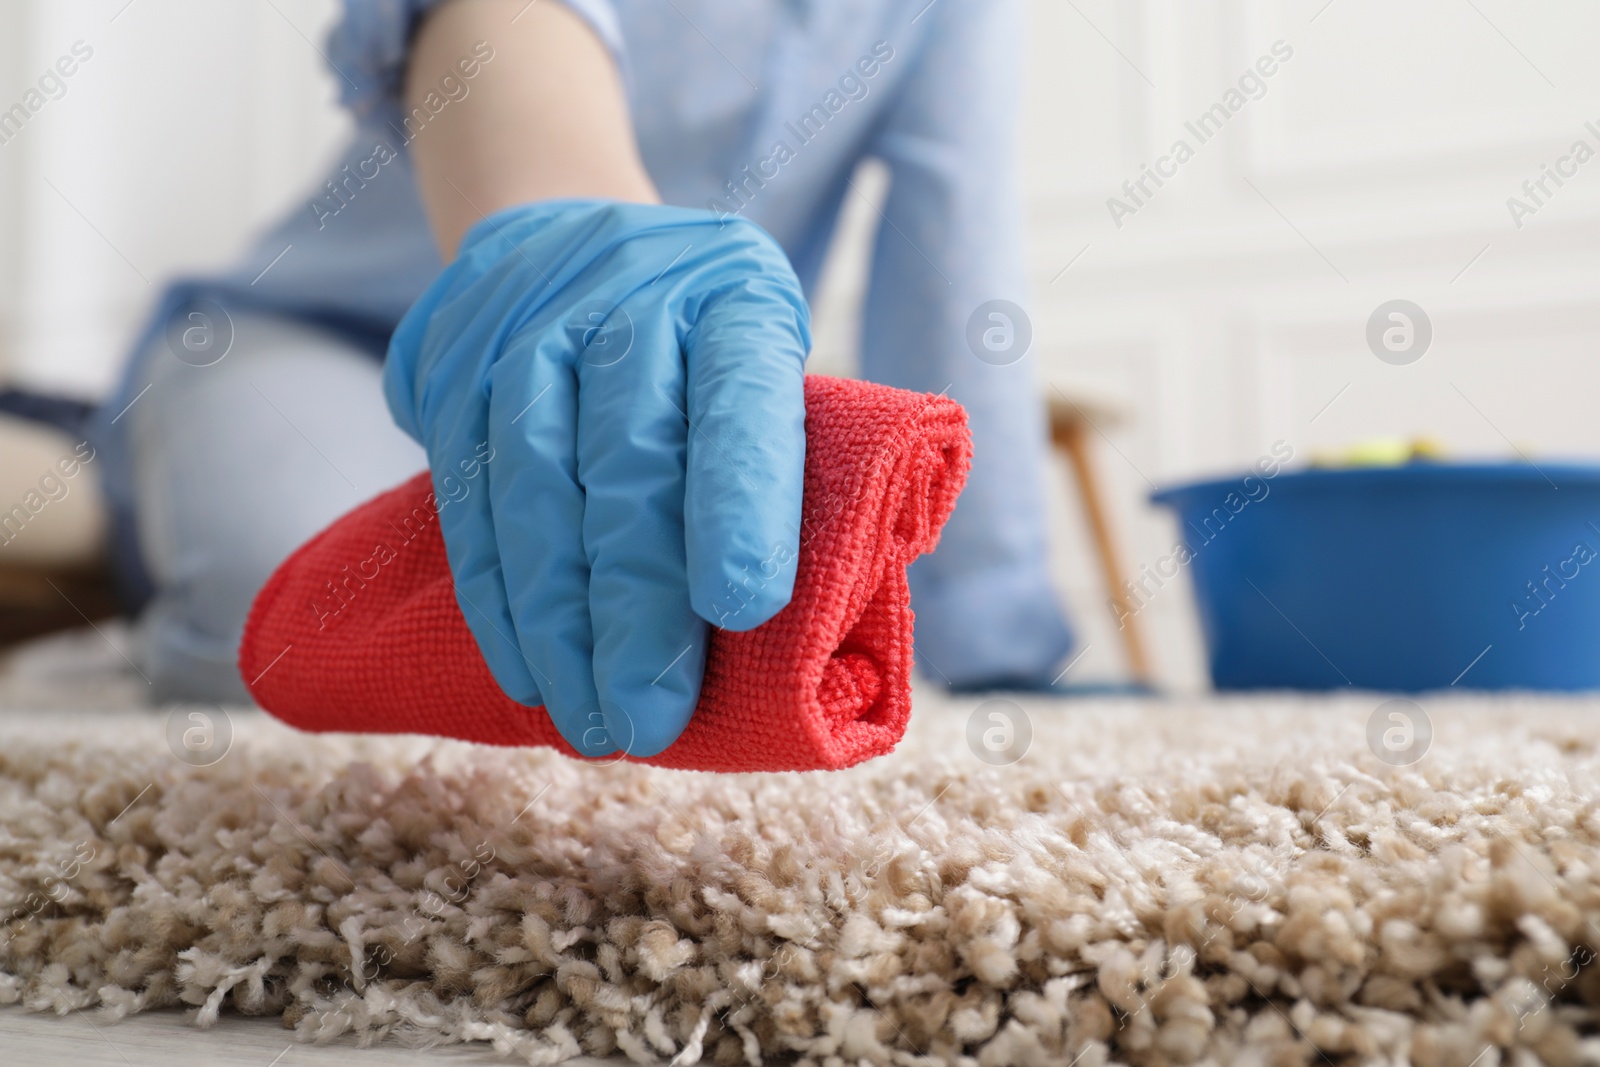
<point x="952" y="232"/>
<point x="369" y="45"/>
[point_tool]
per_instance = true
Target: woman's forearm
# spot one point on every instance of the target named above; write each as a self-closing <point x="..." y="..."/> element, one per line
<point x="546" y="118"/>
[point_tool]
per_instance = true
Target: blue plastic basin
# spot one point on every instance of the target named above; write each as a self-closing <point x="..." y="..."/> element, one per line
<point x="1402" y="578"/>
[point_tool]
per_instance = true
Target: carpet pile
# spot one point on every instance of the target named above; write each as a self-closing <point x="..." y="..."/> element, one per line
<point x="1224" y="882"/>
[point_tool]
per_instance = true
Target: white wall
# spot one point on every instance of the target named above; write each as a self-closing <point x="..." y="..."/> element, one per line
<point x="1391" y="142"/>
<point x="1381" y="157"/>
<point x="191" y="125"/>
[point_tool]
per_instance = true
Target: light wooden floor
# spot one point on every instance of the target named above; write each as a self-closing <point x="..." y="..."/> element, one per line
<point x="162" y="1038"/>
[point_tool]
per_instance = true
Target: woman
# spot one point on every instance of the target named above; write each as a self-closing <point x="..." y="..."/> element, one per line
<point x="606" y="388"/>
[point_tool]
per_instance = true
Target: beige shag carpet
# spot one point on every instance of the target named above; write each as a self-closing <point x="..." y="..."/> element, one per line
<point x="1224" y="882"/>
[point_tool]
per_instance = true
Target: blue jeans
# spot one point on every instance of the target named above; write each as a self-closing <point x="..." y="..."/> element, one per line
<point x="233" y="466"/>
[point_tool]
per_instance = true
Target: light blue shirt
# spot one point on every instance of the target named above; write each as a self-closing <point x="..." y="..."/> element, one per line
<point x="764" y="108"/>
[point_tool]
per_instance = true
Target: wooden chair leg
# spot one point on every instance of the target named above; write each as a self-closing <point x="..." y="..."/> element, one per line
<point x="1072" y="438"/>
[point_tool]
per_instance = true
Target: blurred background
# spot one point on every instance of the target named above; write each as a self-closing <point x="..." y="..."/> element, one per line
<point x="1223" y="314"/>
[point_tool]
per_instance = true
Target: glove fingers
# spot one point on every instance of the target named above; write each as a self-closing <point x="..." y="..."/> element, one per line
<point x="746" y="455"/>
<point x="649" y="645"/>
<point x="539" y="506"/>
<point x="459" y="446"/>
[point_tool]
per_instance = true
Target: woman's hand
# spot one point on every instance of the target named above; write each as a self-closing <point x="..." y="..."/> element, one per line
<point x="634" y="371"/>
<point x="637" y="373"/>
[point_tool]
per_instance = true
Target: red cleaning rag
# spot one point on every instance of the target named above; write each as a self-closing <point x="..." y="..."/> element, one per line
<point x="360" y="630"/>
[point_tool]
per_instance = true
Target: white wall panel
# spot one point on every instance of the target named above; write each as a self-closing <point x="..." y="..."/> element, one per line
<point x="191" y="125"/>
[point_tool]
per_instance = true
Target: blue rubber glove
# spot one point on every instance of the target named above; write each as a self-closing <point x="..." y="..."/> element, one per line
<point x="611" y="397"/>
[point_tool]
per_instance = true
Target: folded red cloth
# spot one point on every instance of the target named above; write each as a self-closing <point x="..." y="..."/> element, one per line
<point x="360" y="630"/>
